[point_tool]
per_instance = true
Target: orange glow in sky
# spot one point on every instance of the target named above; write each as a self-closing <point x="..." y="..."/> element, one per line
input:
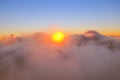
<point x="58" y="37"/>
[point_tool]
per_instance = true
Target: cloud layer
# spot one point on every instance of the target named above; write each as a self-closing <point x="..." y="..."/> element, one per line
<point x="89" y="56"/>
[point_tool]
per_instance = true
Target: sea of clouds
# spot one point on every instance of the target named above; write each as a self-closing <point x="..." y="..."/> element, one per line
<point x="88" y="56"/>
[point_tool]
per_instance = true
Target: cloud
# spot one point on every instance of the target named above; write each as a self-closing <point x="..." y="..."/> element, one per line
<point x="88" y="56"/>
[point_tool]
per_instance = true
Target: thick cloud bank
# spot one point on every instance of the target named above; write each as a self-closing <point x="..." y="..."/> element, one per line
<point x="89" y="56"/>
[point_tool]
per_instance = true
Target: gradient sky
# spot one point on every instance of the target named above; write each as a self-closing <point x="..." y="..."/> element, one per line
<point x="17" y="16"/>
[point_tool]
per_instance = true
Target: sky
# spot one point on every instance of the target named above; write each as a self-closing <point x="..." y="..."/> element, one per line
<point x="74" y="16"/>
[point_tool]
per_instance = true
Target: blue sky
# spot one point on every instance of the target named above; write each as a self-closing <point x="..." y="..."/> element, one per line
<point x="70" y="15"/>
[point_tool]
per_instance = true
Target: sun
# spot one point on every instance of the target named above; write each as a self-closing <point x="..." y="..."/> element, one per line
<point x="58" y="37"/>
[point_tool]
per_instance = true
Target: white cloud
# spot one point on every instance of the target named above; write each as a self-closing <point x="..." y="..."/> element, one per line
<point x="89" y="56"/>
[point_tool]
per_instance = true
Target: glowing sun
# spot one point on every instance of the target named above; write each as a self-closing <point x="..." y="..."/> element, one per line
<point x="58" y="37"/>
